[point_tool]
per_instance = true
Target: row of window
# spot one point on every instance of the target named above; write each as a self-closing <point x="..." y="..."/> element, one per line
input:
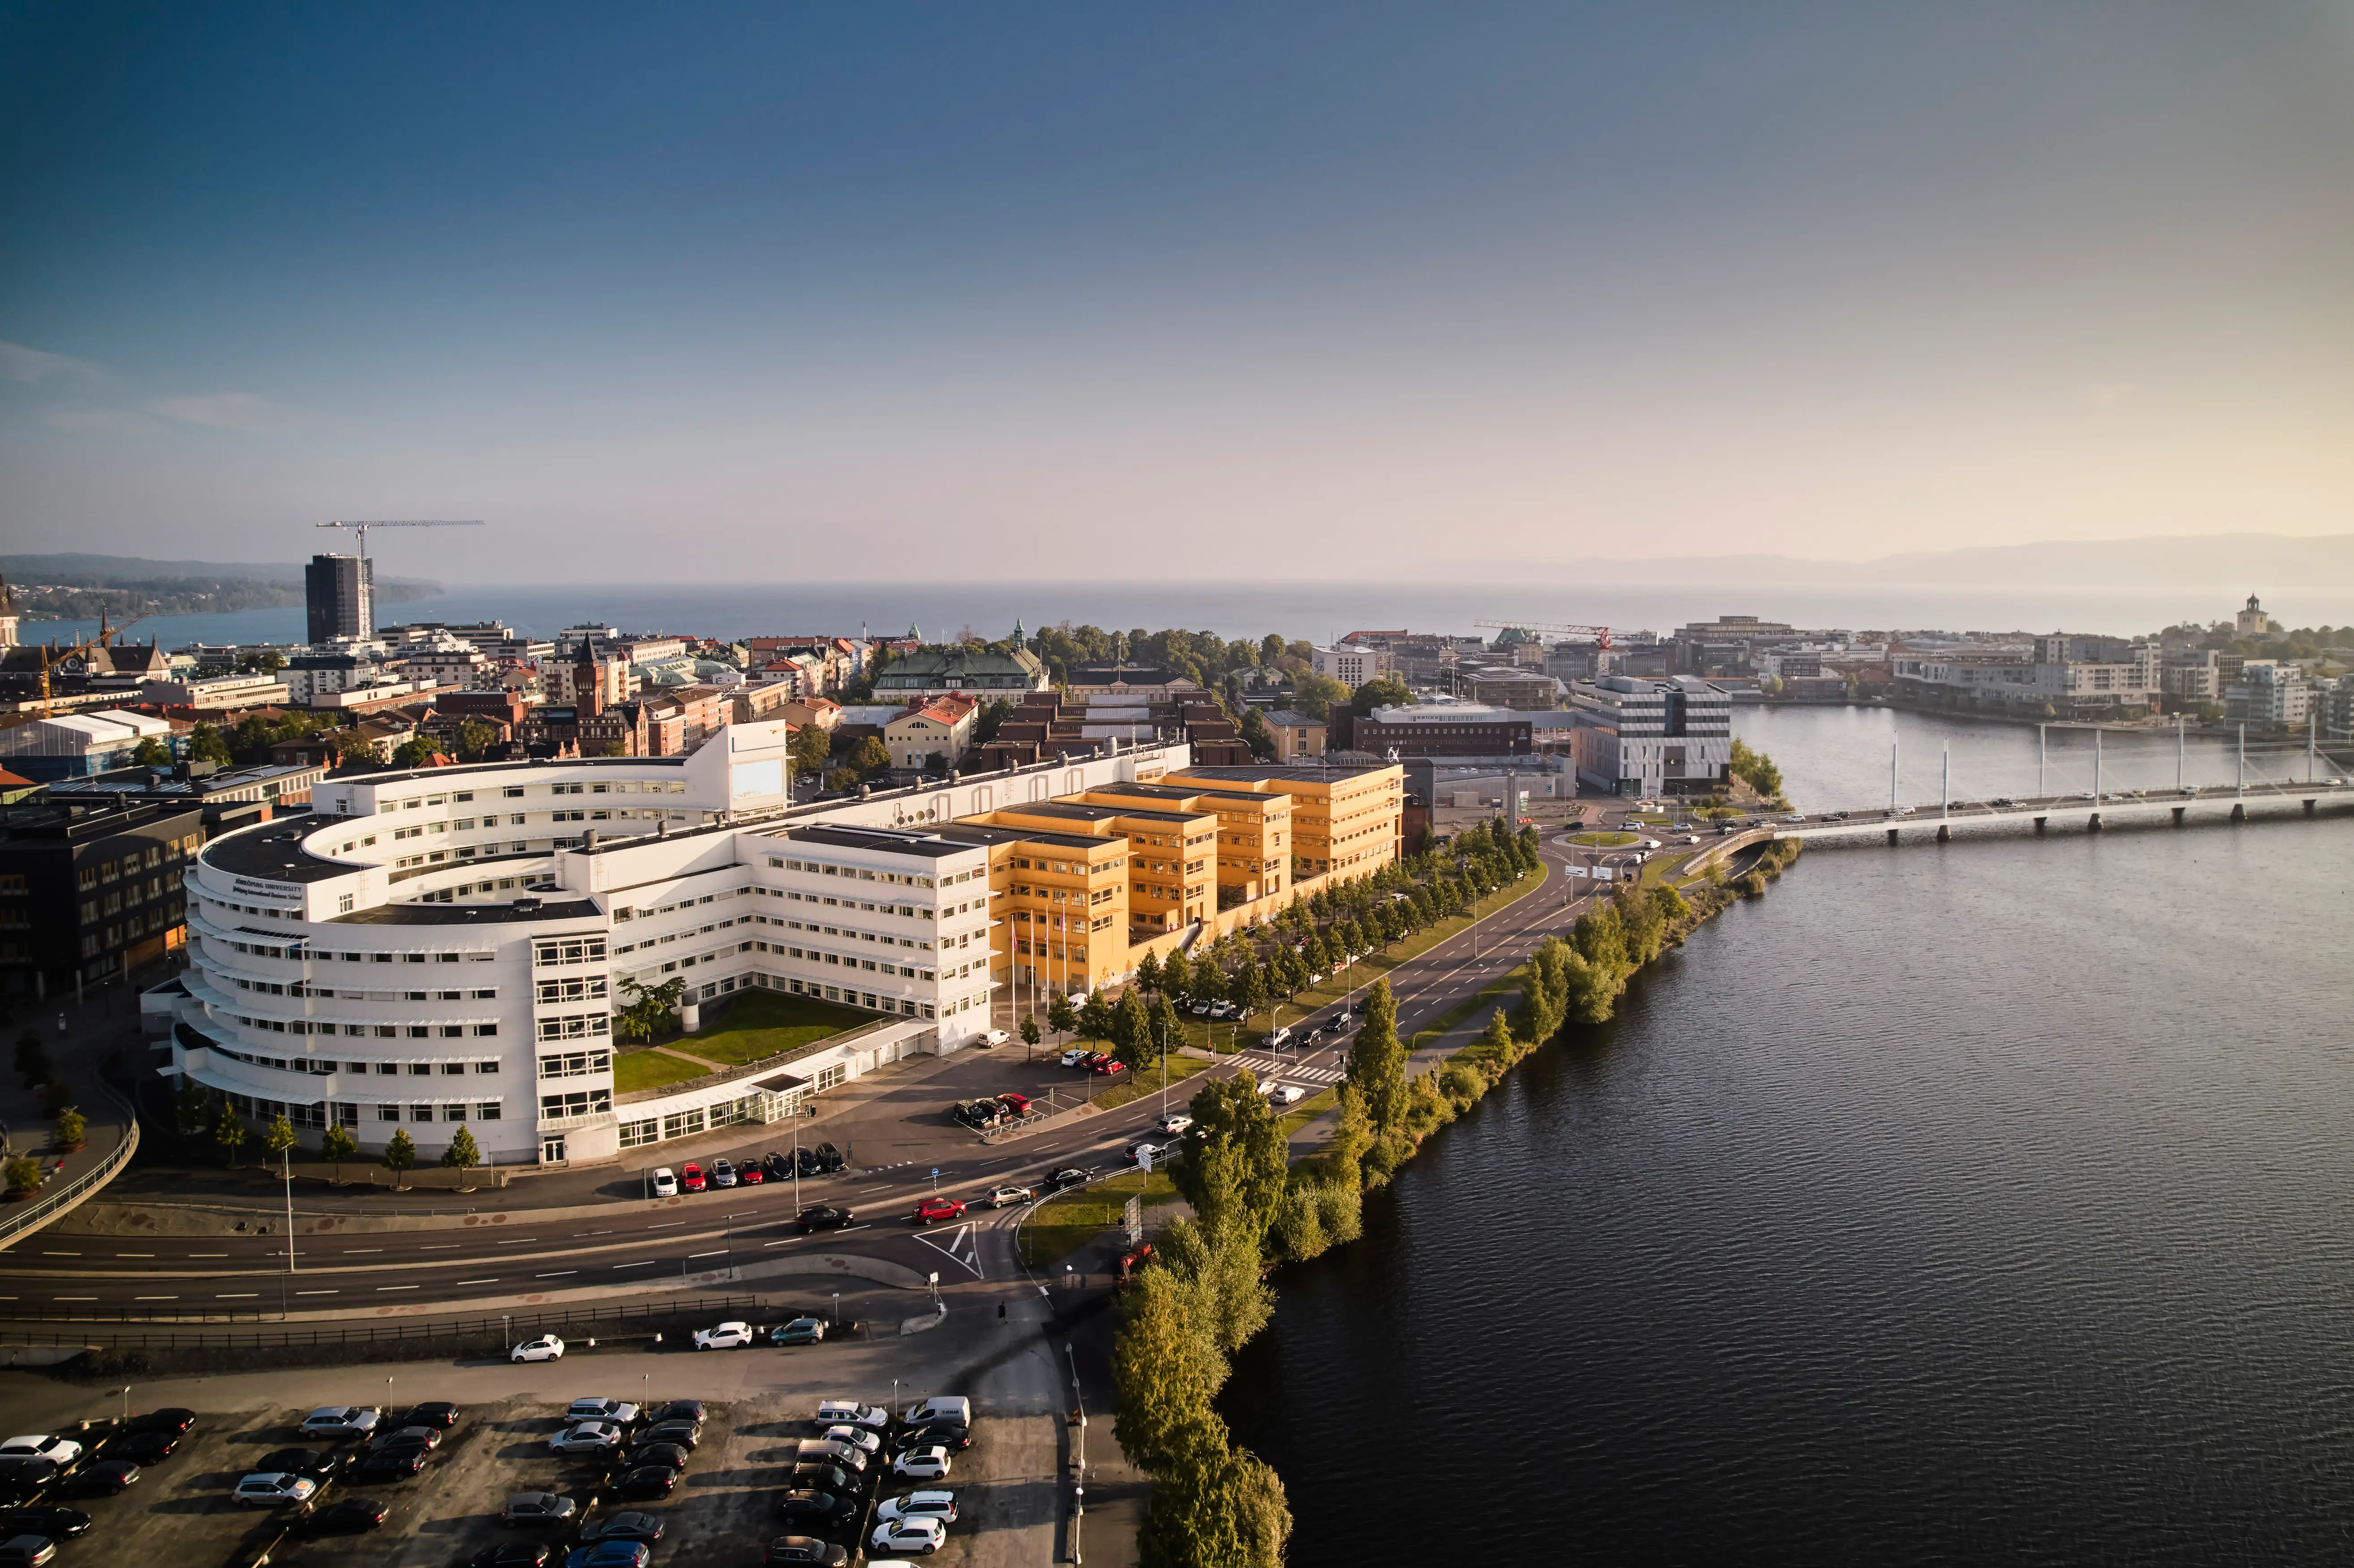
<point x="576" y="1027"/>
<point x="575" y="1102"/>
<point x="860" y="874"/>
<point x="576" y="1065"/>
<point x="296" y="988"/>
<point x="368" y="1031"/>
<point x="320" y="1067"/>
<point x="265" y="950"/>
<point x="564" y="950"/>
<point x="91" y="874"/>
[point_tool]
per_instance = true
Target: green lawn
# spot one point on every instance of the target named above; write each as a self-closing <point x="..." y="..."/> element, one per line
<point x="1307" y="1110"/>
<point x="1603" y="841"/>
<point x="650" y="1070"/>
<point x="763" y="1022"/>
<point x="1061" y="1226"/>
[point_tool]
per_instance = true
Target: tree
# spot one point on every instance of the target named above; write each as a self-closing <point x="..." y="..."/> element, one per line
<point x="1096" y="1019"/>
<point x="1029" y="1032"/>
<point x="1253" y="997"/>
<point x="418" y="752"/>
<point x="1166" y="1369"/>
<point x="279" y="1135"/>
<point x="1132" y="1029"/>
<point x="205" y="743"/>
<point x="337" y="1144"/>
<point x="1061" y="1016"/>
<point x="262" y="661"/>
<point x="151" y="753"/>
<point x="1382" y="692"/>
<point x="191" y="1107"/>
<point x="1177" y="976"/>
<point x="462" y="1154"/>
<point x="355" y="749"/>
<point x="400" y="1153"/>
<point x="229" y="1133"/>
<point x="870" y="758"/>
<point x="72" y="1129"/>
<point x="1314" y="695"/>
<point x="1167" y="1027"/>
<point x="1227" y="1274"/>
<point x="1149" y="974"/>
<point x="1756" y="770"/>
<point x="984" y="722"/>
<point x="476" y="737"/>
<point x="650" y="1008"/>
<point x="24" y="1176"/>
<point x="813" y="747"/>
<point x="1235" y="1158"/>
<point x="1377" y="1061"/>
<point x="1255" y="735"/>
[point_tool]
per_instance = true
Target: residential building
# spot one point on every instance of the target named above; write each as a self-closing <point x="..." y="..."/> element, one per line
<point x="1442" y="729"/>
<point x="323" y="672"/>
<point x="680" y="719"/>
<point x="2339" y="712"/>
<point x="978" y="670"/>
<point x="930" y="736"/>
<point x="217" y="693"/>
<point x="89" y="890"/>
<point x="802" y="711"/>
<point x="2269" y="695"/>
<point x="1297" y="736"/>
<point x="72" y="746"/>
<point x="1648" y="737"/>
<point x="1143" y="683"/>
<point x="1351" y="663"/>
<point x="339" y="591"/>
<point x="2073" y="677"/>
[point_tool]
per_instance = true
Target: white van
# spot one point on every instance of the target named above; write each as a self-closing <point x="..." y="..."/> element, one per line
<point x="665" y="1183"/>
<point x="1281" y="1039"/>
<point x="944" y="1407"/>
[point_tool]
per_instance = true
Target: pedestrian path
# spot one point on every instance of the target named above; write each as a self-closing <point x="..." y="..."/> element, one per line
<point x="1264" y="1067"/>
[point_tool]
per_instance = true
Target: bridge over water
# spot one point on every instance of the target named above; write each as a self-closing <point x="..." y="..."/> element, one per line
<point x="2088" y="811"/>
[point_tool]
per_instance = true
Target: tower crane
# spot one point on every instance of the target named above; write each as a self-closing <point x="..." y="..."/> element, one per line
<point x="1599" y="633"/>
<point x="360" y="530"/>
<point x="51" y="660"/>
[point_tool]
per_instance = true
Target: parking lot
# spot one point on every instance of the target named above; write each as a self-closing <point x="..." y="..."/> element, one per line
<point x="724" y="1509"/>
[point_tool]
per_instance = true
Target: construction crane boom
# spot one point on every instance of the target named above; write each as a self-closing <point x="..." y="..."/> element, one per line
<point x="1557" y="628"/>
<point x="360" y="529"/>
<point x="51" y="660"/>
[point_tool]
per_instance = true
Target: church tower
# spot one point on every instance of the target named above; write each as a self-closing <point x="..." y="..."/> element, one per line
<point x="8" y="616"/>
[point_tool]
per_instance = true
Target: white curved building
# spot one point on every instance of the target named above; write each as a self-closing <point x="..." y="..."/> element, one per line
<point x="443" y="947"/>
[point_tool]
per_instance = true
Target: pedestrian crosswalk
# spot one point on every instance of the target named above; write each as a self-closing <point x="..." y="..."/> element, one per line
<point x="1266" y="1068"/>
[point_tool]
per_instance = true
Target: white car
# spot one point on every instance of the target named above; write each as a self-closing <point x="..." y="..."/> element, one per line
<point x="547" y="1348"/>
<point x="921" y="1535"/>
<point x="1007" y="1197"/>
<point x="936" y="1505"/>
<point x="929" y="1464"/>
<point x="849" y="1412"/>
<point x="726" y="1337"/>
<point x="1286" y="1094"/>
<point x="57" y="1450"/>
<point x="1175" y="1122"/>
<point x="273" y="1490"/>
<point x="665" y="1183"/>
<point x="995" y="1037"/>
<point x="587" y="1437"/>
<point x="341" y="1421"/>
<point x="1074" y="1056"/>
<point x="858" y="1437"/>
<point x="619" y="1412"/>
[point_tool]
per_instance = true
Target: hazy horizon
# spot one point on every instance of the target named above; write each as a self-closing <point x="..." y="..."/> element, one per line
<point x="736" y="292"/>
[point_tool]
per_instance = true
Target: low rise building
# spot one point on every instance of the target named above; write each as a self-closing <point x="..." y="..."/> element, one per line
<point x="930" y="736"/>
<point x="1297" y="736"/>
<point x="1351" y="663"/>
<point x="980" y="672"/>
<point x="1646" y="738"/>
<point x="1525" y="690"/>
<point x="217" y="693"/>
<point x="1442" y="729"/>
<point x="90" y="890"/>
<point x="73" y="745"/>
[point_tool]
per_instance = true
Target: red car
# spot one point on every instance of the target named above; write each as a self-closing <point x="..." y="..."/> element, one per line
<point x="690" y="1178"/>
<point x="932" y="1210"/>
<point x="1107" y="1067"/>
<point x="750" y="1174"/>
<point x="1018" y="1104"/>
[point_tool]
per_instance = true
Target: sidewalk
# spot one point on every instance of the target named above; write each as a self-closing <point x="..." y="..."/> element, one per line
<point x="106" y="1022"/>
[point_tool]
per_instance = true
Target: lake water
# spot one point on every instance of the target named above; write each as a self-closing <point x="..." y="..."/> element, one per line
<point x="1978" y="1203"/>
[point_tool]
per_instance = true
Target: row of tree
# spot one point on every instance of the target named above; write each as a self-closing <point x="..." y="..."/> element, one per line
<point x="198" y="1110"/>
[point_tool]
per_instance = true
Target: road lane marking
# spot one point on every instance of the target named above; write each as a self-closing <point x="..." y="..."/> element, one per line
<point x="238" y="1296"/>
<point x="692" y="1256"/>
<point x="642" y="1263"/>
<point x="666" y="1225"/>
<point x="349" y="1250"/>
<point x="395" y="1288"/>
<point x="73" y="1297"/>
<point x="318" y="1293"/>
<point x="61" y="1254"/>
<point x="558" y="1275"/>
<point x="515" y="1241"/>
<point x="208" y="1255"/>
<point x="154" y="1298"/>
<point x="444" y="1246"/>
<point x="134" y="1255"/>
<point x="477" y="1282"/>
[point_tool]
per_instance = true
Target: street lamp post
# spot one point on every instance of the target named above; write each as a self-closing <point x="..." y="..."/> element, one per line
<point x="1079" y="1480"/>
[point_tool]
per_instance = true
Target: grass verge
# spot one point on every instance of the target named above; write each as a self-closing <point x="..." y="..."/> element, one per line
<point x="635" y="1070"/>
<point x="1063" y="1225"/>
<point x="764" y="1022"/>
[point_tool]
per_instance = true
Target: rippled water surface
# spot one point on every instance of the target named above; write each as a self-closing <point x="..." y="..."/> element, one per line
<point x="1988" y="1202"/>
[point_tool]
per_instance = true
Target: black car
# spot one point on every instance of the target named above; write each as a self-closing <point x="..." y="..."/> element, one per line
<point x="314" y="1463"/>
<point x="667" y="1454"/>
<point x="950" y="1434"/>
<point x="172" y="1419"/>
<point x="1069" y="1176"/>
<point x="142" y="1447"/>
<point x="818" y="1511"/>
<point x="826" y="1158"/>
<point x="103" y="1479"/>
<point x="685" y="1434"/>
<point x="438" y="1413"/>
<point x="427" y="1438"/>
<point x="22" y="1482"/>
<point x="642" y="1527"/>
<point x="979" y="1115"/>
<point x="804" y="1551"/>
<point x="680" y="1410"/>
<point x="512" y="1554"/>
<point x="814" y="1478"/>
<point x="56" y="1523"/>
<point x="350" y="1517"/>
<point x="823" y="1217"/>
<point x="390" y="1465"/>
<point x="645" y="1481"/>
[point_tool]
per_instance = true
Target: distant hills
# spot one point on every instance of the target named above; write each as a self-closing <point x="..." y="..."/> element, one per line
<point x="77" y="587"/>
<point x="2233" y="564"/>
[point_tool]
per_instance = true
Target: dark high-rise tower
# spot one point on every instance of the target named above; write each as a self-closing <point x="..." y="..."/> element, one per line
<point x="341" y="593"/>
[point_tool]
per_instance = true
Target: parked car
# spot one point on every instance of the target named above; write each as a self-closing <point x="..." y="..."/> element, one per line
<point x="351" y="1516"/>
<point x="268" y="1491"/>
<point x="55" y="1523"/>
<point x="547" y="1348"/>
<point x="625" y="1526"/>
<point x="850" y="1413"/>
<point x="587" y="1437"/>
<point x="919" y="1505"/>
<point x="685" y="1434"/>
<point x="817" y="1510"/>
<point x="858" y="1437"/>
<point x="665" y="1183"/>
<point x="921" y="1535"/>
<point x="618" y="1411"/>
<point x="103" y="1479"/>
<point x="438" y="1413"/>
<point x="681" y="1410"/>
<point x="823" y="1217"/>
<point x="1222" y="1009"/>
<point x="1075" y="1055"/>
<point x="829" y="1478"/>
<point x="644" y="1481"/>
<point x="23" y="1483"/>
<point x="805" y="1551"/>
<point x="1091" y="1058"/>
<point x="1006" y="1197"/>
<point x="995" y="1037"/>
<point x="390" y="1465"/>
<point x="512" y="1554"/>
<point x="799" y="1331"/>
<point x="426" y="1437"/>
<point x="42" y="1446"/>
<point x="1108" y="1066"/>
<point x="1175" y="1122"/>
<point x="953" y="1435"/>
<point x="611" y="1554"/>
<point x="928" y="1463"/>
<point x="979" y="1114"/>
<point x="316" y="1463"/>
<point x="723" y="1174"/>
<point x="731" y="1336"/>
<point x="666" y="1453"/>
<point x="1200" y="1010"/>
<point x="171" y="1418"/>
<point x="931" y="1210"/>
<point x="140" y="1448"/>
<point x="27" y="1551"/>
<point x="1015" y="1104"/>
<point x="690" y="1177"/>
<point x="537" y="1508"/>
<point x="825" y="1159"/>
<point x="751" y="1173"/>
<point x="336" y="1421"/>
<point x="950" y="1407"/>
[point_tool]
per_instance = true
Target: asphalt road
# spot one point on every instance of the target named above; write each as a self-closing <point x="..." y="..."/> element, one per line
<point x="78" y="1273"/>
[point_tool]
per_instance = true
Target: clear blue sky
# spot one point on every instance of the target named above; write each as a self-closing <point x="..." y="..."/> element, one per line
<point x="935" y="291"/>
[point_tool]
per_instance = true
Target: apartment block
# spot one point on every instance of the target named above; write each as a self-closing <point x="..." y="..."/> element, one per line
<point x="1644" y="737"/>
